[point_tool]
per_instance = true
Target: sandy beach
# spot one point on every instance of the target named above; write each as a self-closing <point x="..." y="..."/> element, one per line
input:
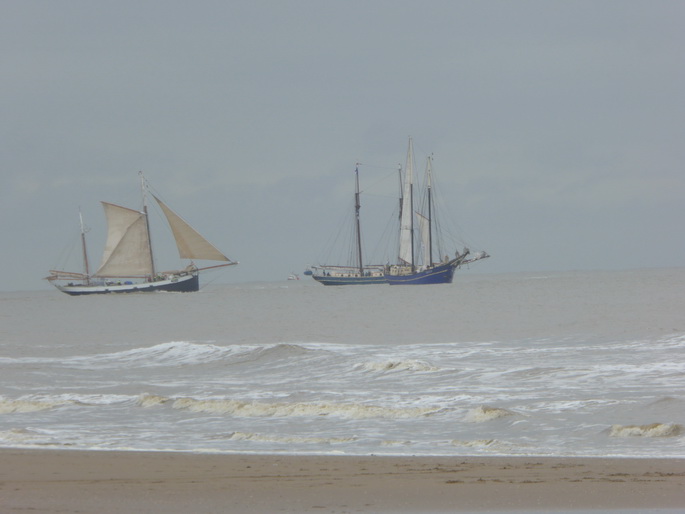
<point x="108" y="482"/>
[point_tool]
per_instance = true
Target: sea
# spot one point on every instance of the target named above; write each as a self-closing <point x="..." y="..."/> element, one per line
<point x="577" y="363"/>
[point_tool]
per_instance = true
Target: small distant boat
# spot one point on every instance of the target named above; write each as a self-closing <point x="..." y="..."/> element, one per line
<point x="293" y="276"/>
<point x="414" y="267"/>
<point x="128" y="264"/>
<point x="355" y="273"/>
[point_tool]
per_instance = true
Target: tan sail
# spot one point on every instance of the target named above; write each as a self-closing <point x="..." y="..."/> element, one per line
<point x="191" y="245"/>
<point x="127" y="250"/>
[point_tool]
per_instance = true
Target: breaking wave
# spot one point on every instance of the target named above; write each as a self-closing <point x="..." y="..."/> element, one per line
<point x="651" y="430"/>
<point x="490" y="445"/>
<point x="260" y="409"/>
<point x="395" y="443"/>
<point x="485" y="413"/>
<point x="151" y="400"/>
<point x="269" y="438"/>
<point x="400" y="365"/>
<point x="174" y="353"/>
<point x="280" y="350"/>
<point x="28" y="405"/>
<point x="22" y="437"/>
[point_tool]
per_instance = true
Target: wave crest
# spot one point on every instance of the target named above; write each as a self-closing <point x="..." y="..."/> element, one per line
<point x="401" y="365"/>
<point x="484" y="413"/>
<point x="25" y="405"/>
<point x="651" y="430"/>
<point x="489" y="445"/>
<point x="151" y="400"/>
<point x="250" y="436"/>
<point x="259" y="409"/>
<point x="17" y="435"/>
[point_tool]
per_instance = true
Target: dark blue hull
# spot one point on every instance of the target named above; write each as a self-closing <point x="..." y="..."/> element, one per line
<point x="440" y="274"/>
<point x="183" y="284"/>
<point x="349" y="281"/>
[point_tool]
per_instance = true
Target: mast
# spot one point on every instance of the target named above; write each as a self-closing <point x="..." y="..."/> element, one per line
<point x="411" y="200"/>
<point x="83" y="246"/>
<point x="429" y="185"/>
<point x="411" y="217"/>
<point x="407" y="220"/>
<point x="143" y="189"/>
<point x="357" y="206"/>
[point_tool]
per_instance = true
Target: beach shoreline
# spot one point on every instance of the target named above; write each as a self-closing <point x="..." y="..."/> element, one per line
<point x="51" y="481"/>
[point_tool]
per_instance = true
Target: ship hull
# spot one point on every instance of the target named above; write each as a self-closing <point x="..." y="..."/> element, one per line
<point x="350" y="281"/>
<point x="177" y="284"/>
<point x="440" y="274"/>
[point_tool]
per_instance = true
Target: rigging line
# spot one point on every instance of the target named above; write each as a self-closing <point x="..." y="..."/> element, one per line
<point x="376" y="166"/>
<point x="338" y="240"/>
<point x="379" y="195"/>
<point x="66" y="254"/>
<point x="392" y="174"/>
<point x="207" y="282"/>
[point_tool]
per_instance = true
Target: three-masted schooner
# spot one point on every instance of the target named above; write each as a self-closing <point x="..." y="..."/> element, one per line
<point x="414" y="267"/>
<point x="128" y="263"/>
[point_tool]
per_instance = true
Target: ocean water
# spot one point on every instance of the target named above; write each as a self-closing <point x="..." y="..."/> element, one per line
<point x="556" y="364"/>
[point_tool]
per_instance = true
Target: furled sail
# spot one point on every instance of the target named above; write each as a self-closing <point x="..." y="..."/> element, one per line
<point x="406" y="223"/>
<point x="191" y="245"/>
<point x="127" y="250"/>
<point x="424" y="231"/>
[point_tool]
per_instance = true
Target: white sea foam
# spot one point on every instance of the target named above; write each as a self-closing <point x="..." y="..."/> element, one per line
<point x="20" y="436"/>
<point x="249" y="436"/>
<point x="589" y="404"/>
<point x="174" y="353"/>
<point x="490" y="445"/>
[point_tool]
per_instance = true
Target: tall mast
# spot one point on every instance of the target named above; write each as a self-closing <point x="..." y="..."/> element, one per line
<point x="411" y="220"/>
<point x="143" y="188"/>
<point x="407" y="220"/>
<point x="429" y="185"/>
<point x="357" y="206"/>
<point x="83" y="246"/>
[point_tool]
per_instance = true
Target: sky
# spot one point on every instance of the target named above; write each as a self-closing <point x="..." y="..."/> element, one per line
<point x="557" y="128"/>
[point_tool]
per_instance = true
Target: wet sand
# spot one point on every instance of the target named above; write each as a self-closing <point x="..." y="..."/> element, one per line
<point x="52" y="481"/>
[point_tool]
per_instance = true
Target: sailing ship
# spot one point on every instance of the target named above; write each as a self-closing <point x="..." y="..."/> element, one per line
<point x="128" y="264"/>
<point x="355" y="273"/>
<point x="414" y="266"/>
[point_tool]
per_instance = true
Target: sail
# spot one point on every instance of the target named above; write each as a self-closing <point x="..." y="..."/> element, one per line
<point x="127" y="250"/>
<point x="424" y="231"/>
<point x="191" y="245"/>
<point x="406" y="223"/>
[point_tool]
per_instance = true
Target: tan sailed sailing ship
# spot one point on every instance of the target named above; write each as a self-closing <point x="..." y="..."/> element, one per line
<point x="128" y="263"/>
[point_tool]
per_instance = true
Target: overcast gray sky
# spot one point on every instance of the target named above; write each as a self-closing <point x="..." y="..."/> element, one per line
<point x="557" y="127"/>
